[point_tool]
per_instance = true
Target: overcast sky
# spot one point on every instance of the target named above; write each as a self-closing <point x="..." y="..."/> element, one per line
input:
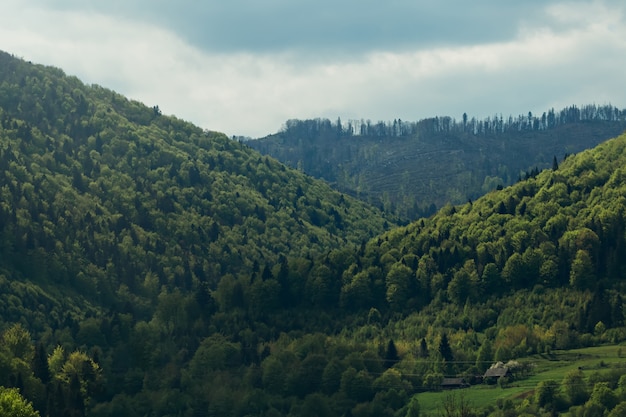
<point x="244" y="67"/>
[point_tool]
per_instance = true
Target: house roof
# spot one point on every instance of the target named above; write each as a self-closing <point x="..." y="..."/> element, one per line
<point x="496" y="372"/>
<point x="453" y="382"/>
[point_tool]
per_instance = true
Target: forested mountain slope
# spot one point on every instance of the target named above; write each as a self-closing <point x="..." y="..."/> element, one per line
<point x="561" y="228"/>
<point x="150" y="268"/>
<point x="113" y="180"/>
<point x="110" y="211"/>
<point x="410" y="168"/>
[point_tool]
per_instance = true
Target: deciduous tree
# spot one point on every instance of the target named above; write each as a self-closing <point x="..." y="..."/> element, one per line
<point x="12" y="404"/>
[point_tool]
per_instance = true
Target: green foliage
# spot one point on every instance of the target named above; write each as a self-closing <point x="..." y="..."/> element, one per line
<point x="413" y="408"/>
<point x="12" y="404"/>
<point x="464" y="284"/>
<point x="603" y="395"/>
<point x="575" y="387"/>
<point x="445" y="351"/>
<point x="546" y="394"/>
<point x="582" y="271"/>
<point x="357" y="385"/>
<point x="398" y="282"/>
<point x="485" y="356"/>
<point x="432" y="162"/>
<point x="391" y="354"/>
<point x="150" y="267"/>
<point x="130" y="240"/>
<point x="619" y="410"/>
<point x="17" y="341"/>
<point x="456" y="405"/>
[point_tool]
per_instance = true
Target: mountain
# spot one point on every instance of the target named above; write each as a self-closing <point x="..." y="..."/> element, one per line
<point x="411" y="168"/>
<point x="563" y="227"/>
<point x="148" y="267"/>
<point x="88" y="159"/>
<point x="112" y="211"/>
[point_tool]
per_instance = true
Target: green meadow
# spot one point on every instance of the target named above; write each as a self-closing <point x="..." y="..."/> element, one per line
<point x="553" y="366"/>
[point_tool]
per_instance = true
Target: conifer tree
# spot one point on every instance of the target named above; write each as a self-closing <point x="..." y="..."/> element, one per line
<point x="423" y="348"/>
<point x="40" y="364"/>
<point x="391" y="354"/>
<point x="444" y="349"/>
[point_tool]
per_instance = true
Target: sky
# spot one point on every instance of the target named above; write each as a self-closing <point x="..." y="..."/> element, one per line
<point x="244" y="67"/>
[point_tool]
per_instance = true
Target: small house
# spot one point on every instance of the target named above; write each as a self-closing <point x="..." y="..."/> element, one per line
<point x="453" y="383"/>
<point x="493" y="374"/>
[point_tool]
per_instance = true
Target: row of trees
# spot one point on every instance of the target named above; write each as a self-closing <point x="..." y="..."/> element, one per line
<point x="599" y="394"/>
<point x="313" y="128"/>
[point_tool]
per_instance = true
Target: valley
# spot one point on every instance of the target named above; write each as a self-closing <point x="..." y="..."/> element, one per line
<point x="151" y="267"/>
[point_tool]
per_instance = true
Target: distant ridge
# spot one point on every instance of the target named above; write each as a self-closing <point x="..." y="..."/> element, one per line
<point x="411" y="168"/>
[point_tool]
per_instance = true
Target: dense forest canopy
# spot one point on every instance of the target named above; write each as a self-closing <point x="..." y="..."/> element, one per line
<point x="121" y="165"/>
<point x="411" y="168"/>
<point x="148" y="267"/>
<point x="109" y="208"/>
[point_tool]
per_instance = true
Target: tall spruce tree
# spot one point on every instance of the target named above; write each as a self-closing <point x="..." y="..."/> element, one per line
<point x="444" y="348"/>
<point x="391" y="354"/>
<point x="40" y="364"/>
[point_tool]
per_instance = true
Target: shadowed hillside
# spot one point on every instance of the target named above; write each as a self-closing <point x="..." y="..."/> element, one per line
<point x="412" y="168"/>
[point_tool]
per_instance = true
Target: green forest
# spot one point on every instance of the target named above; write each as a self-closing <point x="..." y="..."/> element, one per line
<point x="412" y="168"/>
<point x="152" y="268"/>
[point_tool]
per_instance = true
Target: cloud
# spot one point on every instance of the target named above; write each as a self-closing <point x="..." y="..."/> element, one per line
<point x="340" y="26"/>
<point x="566" y="53"/>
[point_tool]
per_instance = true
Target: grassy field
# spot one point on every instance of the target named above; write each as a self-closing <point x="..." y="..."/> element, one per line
<point x="552" y="366"/>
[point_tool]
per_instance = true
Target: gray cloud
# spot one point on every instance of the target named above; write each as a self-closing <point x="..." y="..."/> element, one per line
<point x="345" y="26"/>
<point x="244" y="67"/>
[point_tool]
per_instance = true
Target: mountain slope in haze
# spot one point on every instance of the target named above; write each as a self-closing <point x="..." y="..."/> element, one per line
<point x="412" y="168"/>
